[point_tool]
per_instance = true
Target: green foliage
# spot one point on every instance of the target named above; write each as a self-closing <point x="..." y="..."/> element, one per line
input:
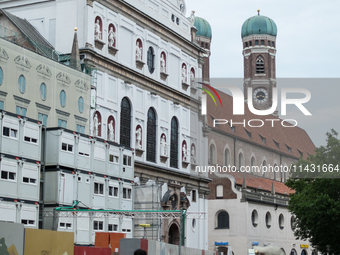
<point x="316" y="201"/>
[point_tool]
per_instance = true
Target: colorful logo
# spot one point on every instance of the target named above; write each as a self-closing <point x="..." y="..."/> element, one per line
<point x="208" y="92"/>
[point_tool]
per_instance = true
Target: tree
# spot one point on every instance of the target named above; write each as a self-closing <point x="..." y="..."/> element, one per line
<point x="316" y="201"/>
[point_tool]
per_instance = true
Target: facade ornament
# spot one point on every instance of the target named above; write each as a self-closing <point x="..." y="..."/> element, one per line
<point x="163" y="146"/>
<point x="97" y="31"/>
<point x="185" y="152"/>
<point x="193" y="154"/>
<point x="111" y="131"/>
<point x="184" y="74"/>
<point x="192" y="18"/>
<point x="163" y="63"/>
<point x="139" y="51"/>
<point x="112" y="37"/>
<point x="139" y="138"/>
<point x="96" y="125"/>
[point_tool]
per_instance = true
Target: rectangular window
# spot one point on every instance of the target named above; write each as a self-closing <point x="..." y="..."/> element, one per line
<point x="273" y="44"/>
<point x="219" y="191"/>
<point x="194" y="196"/>
<point x="126" y="193"/>
<point x="126" y="160"/>
<point x="29" y="180"/>
<point x="5" y="175"/>
<point x="1" y="105"/>
<point x="80" y="129"/>
<point x="10" y="132"/>
<point x="256" y="42"/>
<point x="21" y="111"/>
<point x="67" y="147"/>
<point x="28" y="222"/>
<point x="30" y="139"/>
<point x="113" y="158"/>
<point x="62" y="123"/>
<point x="113" y="227"/>
<point x="250" y="43"/>
<point x="98" y="225"/>
<point x="113" y="191"/>
<point x="262" y="42"/>
<point x="42" y="118"/>
<point x="268" y="43"/>
<point x="99" y="188"/>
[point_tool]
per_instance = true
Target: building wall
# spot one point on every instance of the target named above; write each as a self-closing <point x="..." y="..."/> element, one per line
<point x="37" y="70"/>
<point x="248" y="150"/>
<point x="241" y="233"/>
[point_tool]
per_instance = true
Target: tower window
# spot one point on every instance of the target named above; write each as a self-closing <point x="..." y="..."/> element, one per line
<point x="250" y="43"/>
<point x="262" y="42"/>
<point x="256" y="42"/>
<point x="259" y="65"/>
<point x="268" y="43"/>
<point x="246" y="44"/>
<point x="206" y="46"/>
<point x="273" y="44"/>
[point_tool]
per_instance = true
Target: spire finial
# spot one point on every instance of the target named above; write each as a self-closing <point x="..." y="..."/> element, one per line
<point x="258" y="11"/>
<point x="75" y="29"/>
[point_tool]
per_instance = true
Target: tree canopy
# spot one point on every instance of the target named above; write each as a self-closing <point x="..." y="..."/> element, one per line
<point x="316" y="201"/>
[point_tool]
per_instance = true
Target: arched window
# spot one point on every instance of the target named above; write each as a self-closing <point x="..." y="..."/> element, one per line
<point x="252" y="161"/>
<point x="62" y="98"/>
<point x="174" y="143"/>
<point x="259" y="65"/>
<point x="43" y="91"/>
<point x="1" y="76"/>
<point x="226" y="157"/>
<point x="212" y="152"/>
<point x="268" y="220"/>
<point x="254" y="218"/>
<point x="22" y="84"/>
<point x="264" y="164"/>
<point x="223" y="220"/>
<point x="81" y="104"/>
<point x="151" y="136"/>
<point x="240" y="160"/>
<point x="281" y="221"/>
<point x="151" y="60"/>
<point x="125" y="122"/>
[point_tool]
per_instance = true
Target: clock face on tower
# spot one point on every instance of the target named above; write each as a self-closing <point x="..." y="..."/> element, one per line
<point x="260" y="95"/>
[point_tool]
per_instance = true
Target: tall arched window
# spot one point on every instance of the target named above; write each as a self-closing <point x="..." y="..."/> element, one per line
<point x="174" y="143"/>
<point x="125" y="122"/>
<point x="151" y="136"/>
<point x="151" y="60"/>
<point x="264" y="164"/>
<point x="259" y="65"/>
<point x="240" y="160"/>
<point x="212" y="152"/>
<point x="223" y="220"/>
<point x="226" y="157"/>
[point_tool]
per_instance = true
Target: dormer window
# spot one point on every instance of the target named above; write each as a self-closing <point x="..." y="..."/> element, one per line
<point x="300" y="152"/>
<point x="263" y="138"/>
<point x="248" y="133"/>
<point x="276" y="143"/>
<point x="289" y="148"/>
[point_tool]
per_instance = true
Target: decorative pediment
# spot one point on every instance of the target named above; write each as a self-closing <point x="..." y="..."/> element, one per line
<point x="22" y="61"/>
<point x="62" y="77"/>
<point x="3" y="54"/>
<point x="82" y="85"/>
<point x="44" y="70"/>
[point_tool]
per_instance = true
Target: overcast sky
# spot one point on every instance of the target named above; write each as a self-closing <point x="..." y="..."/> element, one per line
<point x="307" y="47"/>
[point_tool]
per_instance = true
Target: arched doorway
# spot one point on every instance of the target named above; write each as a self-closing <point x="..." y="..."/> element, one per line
<point x="174" y="234"/>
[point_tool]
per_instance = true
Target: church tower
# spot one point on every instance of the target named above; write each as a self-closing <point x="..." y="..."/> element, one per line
<point x="259" y="50"/>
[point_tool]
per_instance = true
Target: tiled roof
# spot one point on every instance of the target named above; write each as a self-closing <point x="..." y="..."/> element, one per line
<point x="277" y="138"/>
<point x="260" y="183"/>
<point x="34" y="37"/>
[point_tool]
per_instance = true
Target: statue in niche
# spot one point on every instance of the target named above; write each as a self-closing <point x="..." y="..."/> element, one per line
<point x="111" y="131"/>
<point x="184" y="74"/>
<point x="185" y="153"/>
<point x="112" y="37"/>
<point x="95" y="125"/>
<point x="97" y="32"/>
<point x="139" y="138"/>
<point x="163" y="145"/>
<point x="193" y="154"/>
<point x="163" y="68"/>
<point x="138" y="51"/>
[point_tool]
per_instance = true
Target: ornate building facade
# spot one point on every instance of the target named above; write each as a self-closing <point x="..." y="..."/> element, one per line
<point x="143" y="56"/>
